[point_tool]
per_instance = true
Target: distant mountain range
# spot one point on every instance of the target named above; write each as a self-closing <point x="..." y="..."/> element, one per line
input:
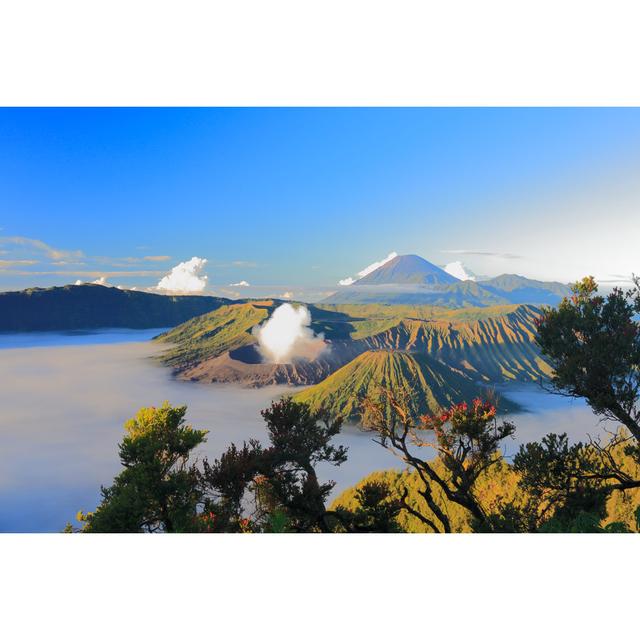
<point x="92" y="306"/>
<point x="404" y="280"/>
<point x="518" y="289"/>
<point x="410" y="279"/>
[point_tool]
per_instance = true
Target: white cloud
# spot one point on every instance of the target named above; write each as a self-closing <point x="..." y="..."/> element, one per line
<point x="286" y="335"/>
<point x="287" y="295"/>
<point x="458" y="270"/>
<point x="367" y="270"/>
<point x="185" y="277"/>
<point x="242" y="283"/>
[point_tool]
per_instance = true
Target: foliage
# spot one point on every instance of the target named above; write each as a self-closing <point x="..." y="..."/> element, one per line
<point x="157" y="490"/>
<point x="497" y="486"/>
<point x="504" y="499"/>
<point x="276" y="488"/>
<point x="465" y="439"/>
<point x="375" y="510"/>
<point x="558" y="480"/>
<point x="594" y="344"/>
<point x="569" y="486"/>
<point x="224" y="485"/>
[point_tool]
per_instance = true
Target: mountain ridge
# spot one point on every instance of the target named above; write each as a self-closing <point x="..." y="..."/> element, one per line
<point x="409" y="279"/>
<point x="93" y="306"/>
<point x="486" y="344"/>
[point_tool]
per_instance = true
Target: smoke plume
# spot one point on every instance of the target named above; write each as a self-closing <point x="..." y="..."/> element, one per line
<point x="286" y="335"/>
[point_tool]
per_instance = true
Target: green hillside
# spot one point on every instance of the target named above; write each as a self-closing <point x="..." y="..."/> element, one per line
<point x="495" y="344"/>
<point x="429" y="384"/>
<point x="213" y="334"/>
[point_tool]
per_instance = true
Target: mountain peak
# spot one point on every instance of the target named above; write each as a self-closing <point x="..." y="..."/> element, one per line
<point x="408" y="269"/>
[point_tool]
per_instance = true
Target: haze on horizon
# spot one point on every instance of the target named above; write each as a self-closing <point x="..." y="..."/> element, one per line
<point x="289" y="202"/>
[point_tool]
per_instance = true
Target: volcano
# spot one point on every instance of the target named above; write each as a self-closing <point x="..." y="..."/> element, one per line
<point x="429" y="384"/>
<point x="409" y="269"/>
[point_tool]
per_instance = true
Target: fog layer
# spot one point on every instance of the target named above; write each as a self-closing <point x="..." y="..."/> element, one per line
<point x="63" y="408"/>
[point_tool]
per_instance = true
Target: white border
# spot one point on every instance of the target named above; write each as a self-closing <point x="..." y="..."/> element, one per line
<point x="319" y="586"/>
<point x="329" y="52"/>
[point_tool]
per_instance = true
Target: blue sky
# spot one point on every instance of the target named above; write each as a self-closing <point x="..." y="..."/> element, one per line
<point x="297" y="199"/>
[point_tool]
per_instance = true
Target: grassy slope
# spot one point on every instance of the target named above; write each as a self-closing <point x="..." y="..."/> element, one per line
<point x="430" y="385"/>
<point x="368" y="313"/>
<point x="495" y="344"/>
<point x="212" y="334"/>
<point x="492" y="344"/>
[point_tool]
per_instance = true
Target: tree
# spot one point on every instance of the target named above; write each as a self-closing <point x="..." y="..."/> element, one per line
<point x="375" y="511"/>
<point x="158" y="490"/>
<point x="593" y="343"/>
<point x="562" y="485"/>
<point x="465" y="439"/>
<point x="225" y="485"/>
<point x="300" y="439"/>
<point x="567" y="486"/>
<point x="276" y="487"/>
